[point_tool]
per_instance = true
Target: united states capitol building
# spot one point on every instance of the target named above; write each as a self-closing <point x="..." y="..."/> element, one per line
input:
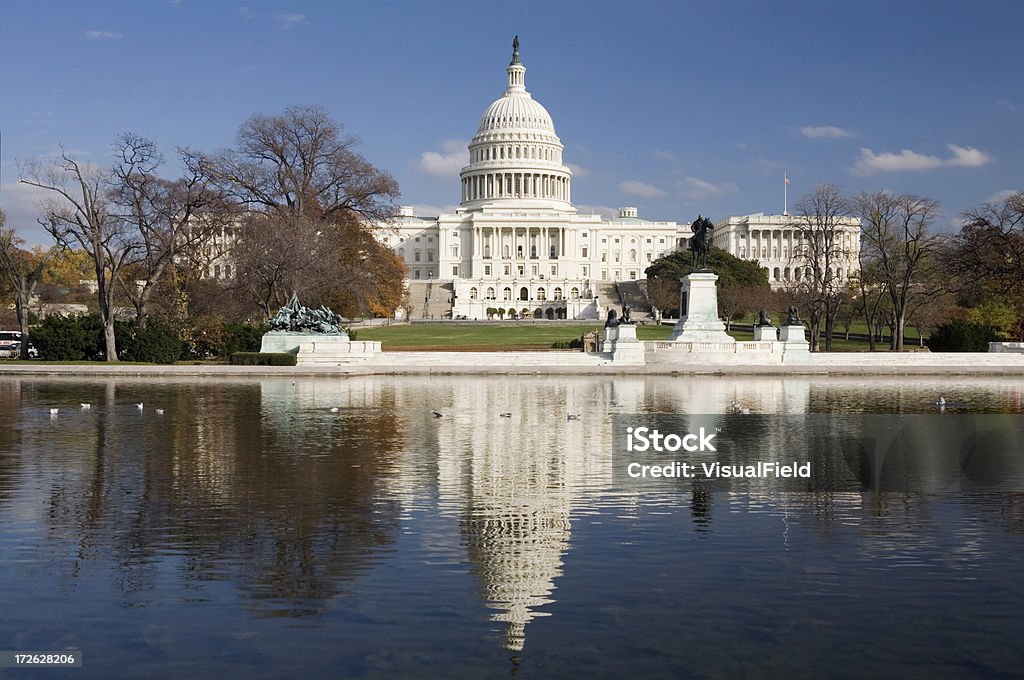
<point x="517" y="244"/>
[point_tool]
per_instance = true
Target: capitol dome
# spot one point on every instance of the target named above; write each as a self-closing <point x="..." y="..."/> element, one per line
<point x="516" y="157"/>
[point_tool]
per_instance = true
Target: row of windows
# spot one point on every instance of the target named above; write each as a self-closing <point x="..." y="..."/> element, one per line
<point x="494" y="153"/>
<point x="524" y="294"/>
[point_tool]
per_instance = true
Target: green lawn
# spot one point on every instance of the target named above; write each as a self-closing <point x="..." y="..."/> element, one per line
<point x="463" y="336"/>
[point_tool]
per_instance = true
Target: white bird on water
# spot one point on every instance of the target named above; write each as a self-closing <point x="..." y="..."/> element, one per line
<point x="334" y="409"/>
<point x="86" y="407"/>
<point x="159" y="411"/>
<point x="54" y="411"/>
<point x="139" y="406"/>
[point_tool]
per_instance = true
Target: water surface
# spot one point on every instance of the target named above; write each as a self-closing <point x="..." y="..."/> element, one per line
<point x="251" y="531"/>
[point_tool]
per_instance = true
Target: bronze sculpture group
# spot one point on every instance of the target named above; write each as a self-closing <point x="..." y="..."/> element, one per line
<point x="297" y="318"/>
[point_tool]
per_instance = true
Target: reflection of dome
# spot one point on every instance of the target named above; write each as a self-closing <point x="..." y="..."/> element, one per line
<point x="516" y="155"/>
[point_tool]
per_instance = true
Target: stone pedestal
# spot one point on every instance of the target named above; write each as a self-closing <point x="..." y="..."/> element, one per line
<point x="335" y="348"/>
<point x="626" y="348"/>
<point x="698" y="311"/>
<point x="794" y="334"/>
<point x="794" y="344"/>
<point x="765" y="334"/>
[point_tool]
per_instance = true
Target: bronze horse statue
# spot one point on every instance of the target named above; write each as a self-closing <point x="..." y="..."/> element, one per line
<point x="700" y="244"/>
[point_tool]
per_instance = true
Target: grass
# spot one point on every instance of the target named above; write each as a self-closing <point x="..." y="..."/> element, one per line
<point x="467" y="336"/>
<point x="463" y="336"/>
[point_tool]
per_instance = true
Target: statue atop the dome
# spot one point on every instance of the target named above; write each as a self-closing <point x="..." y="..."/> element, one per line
<point x="515" y="50"/>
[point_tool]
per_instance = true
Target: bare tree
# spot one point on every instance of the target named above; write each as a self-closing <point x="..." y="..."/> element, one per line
<point x="81" y="214"/>
<point x="24" y="270"/>
<point x="899" y="245"/>
<point x="986" y="259"/>
<point x="308" y="193"/>
<point x="820" y="221"/>
<point x="172" y="218"/>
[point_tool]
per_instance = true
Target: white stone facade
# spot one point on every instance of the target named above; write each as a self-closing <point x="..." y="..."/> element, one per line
<point x="774" y="241"/>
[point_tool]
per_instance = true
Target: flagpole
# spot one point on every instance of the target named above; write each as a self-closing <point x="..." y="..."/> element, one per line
<point x="785" y="193"/>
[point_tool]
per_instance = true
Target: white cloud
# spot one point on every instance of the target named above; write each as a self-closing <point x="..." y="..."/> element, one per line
<point x="102" y="35"/>
<point x="21" y="204"/>
<point x="965" y="157"/>
<point x="604" y="211"/>
<point x="826" y="131"/>
<point x="696" y="189"/>
<point x="578" y="170"/>
<point x="428" y="210"/>
<point x="664" y="155"/>
<point x="968" y="157"/>
<point x="1006" y="105"/>
<point x="287" y="21"/>
<point x="641" y="189"/>
<point x="1001" y="196"/>
<point x="448" y="163"/>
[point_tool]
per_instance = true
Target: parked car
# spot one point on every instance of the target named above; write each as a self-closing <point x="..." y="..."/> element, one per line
<point x="10" y="342"/>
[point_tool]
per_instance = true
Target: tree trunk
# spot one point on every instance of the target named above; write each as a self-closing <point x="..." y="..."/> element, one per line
<point x="21" y="301"/>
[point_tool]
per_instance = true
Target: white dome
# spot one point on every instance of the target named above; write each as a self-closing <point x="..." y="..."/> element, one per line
<point x="515" y="158"/>
<point x="516" y="111"/>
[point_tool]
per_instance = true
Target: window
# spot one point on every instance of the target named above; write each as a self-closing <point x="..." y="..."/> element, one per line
<point x="508" y="269"/>
<point x="585" y="270"/>
<point x="490" y="293"/>
<point x="554" y="270"/>
<point x="472" y="293"/>
<point x="487" y="270"/>
<point x="430" y="256"/>
<point x="533" y="252"/>
<point x="632" y="255"/>
<point x="415" y="273"/>
<point x="616" y="257"/>
<point x="522" y="270"/>
<point x="455" y="270"/>
<point x="558" y="294"/>
<point x="554" y="253"/>
<point x="506" y="293"/>
<point x="542" y="294"/>
<point x="519" y="252"/>
<point x="632" y="275"/>
<point x="505" y="253"/>
<point x="583" y="235"/>
<point x="417" y="239"/>
<point x="487" y="252"/>
<point x="604" y="257"/>
<point x="604" y="274"/>
<point x="616" y="241"/>
<point x="584" y="251"/>
<point x="416" y="256"/>
<point x="533" y="270"/>
<point x="648" y="257"/>
<point x="574" y="293"/>
<point x="455" y="251"/>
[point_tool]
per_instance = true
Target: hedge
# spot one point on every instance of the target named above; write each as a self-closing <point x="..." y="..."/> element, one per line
<point x="264" y="359"/>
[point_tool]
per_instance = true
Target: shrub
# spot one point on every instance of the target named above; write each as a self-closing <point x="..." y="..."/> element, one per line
<point x="575" y="343"/>
<point x="241" y="337"/>
<point x="264" y="359"/>
<point x="961" y="336"/>
<point x="156" y="343"/>
<point x="69" y="338"/>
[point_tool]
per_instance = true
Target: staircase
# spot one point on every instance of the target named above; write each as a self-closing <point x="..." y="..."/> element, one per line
<point x="430" y="299"/>
<point x="634" y="293"/>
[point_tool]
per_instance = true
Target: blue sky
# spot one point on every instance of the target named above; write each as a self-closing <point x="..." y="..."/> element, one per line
<point x="676" y="108"/>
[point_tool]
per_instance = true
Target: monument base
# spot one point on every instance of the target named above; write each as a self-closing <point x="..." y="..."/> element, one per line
<point x="698" y="309"/>
<point x="622" y="343"/>
<point x="765" y="334"/>
<point x="794" y="343"/>
<point x="320" y="348"/>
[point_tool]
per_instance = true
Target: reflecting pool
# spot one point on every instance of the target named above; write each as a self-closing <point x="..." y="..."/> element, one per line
<point x="339" y="528"/>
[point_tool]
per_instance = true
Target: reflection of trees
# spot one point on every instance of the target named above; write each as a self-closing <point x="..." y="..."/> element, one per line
<point x="289" y="515"/>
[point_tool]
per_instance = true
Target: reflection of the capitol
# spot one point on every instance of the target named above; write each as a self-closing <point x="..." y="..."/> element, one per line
<point x="513" y="481"/>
